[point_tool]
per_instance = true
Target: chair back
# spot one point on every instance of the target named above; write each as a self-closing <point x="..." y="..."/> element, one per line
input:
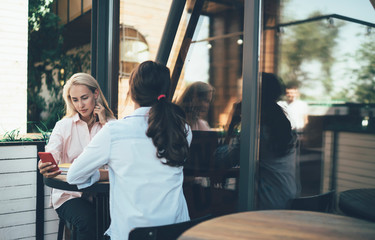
<point x="202" y="148"/>
<point x="164" y="232"/>
<point x="319" y="203"/>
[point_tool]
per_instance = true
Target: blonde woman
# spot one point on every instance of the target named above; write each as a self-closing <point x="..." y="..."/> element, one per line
<point x="87" y="112"/>
<point x="195" y="101"/>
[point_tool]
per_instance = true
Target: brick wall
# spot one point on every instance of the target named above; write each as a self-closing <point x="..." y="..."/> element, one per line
<point x="13" y="65"/>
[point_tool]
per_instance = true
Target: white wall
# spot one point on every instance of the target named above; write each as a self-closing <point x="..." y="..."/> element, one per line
<point x="13" y="65"/>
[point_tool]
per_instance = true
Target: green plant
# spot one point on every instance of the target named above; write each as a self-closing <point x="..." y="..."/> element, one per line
<point x="46" y="133"/>
<point x="13" y="136"/>
<point x="49" y="65"/>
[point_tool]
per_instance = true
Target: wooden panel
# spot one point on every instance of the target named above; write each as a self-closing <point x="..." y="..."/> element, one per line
<point x="365" y="172"/>
<point x="52" y="236"/>
<point x="19" y="218"/>
<point x="18" y="205"/>
<point x="11" y="152"/>
<point x="355" y="152"/>
<point x="17" y="165"/>
<point x="355" y="179"/>
<point x="16" y="179"/>
<point x="16" y="232"/>
<point x="356" y="161"/>
<point x="51" y="226"/>
<point x="17" y="192"/>
<point x="47" y="202"/>
<point x="344" y="184"/>
<point x="358" y="136"/>
<point x="50" y="214"/>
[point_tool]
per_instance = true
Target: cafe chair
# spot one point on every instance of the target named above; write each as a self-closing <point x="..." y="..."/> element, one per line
<point x="71" y="231"/>
<point x="165" y="232"/>
<point x="319" y="203"/>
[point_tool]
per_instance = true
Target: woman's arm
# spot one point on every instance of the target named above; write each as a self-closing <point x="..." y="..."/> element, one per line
<point x="54" y="146"/>
<point x="85" y="169"/>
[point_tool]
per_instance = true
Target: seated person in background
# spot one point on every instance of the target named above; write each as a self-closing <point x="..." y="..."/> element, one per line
<point x="145" y="153"/>
<point x="277" y="160"/>
<point x="87" y="112"/>
<point x="195" y="101"/>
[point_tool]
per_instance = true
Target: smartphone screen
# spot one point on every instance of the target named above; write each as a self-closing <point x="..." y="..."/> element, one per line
<point x="47" y="157"/>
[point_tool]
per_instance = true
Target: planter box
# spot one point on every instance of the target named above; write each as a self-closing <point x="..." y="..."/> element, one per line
<point x="24" y="206"/>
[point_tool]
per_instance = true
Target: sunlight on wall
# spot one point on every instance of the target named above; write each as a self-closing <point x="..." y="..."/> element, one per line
<point x="13" y="65"/>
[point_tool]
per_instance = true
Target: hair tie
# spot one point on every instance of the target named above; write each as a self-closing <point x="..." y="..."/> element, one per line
<point x="161" y="96"/>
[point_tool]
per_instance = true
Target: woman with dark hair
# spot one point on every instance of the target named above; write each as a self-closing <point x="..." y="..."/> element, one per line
<point x="277" y="160"/>
<point x="145" y="153"/>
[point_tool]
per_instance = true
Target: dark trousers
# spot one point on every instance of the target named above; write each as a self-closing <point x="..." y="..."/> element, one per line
<point x="81" y="214"/>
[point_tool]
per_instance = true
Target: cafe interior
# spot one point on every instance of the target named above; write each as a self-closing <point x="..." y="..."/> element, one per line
<point x="227" y="45"/>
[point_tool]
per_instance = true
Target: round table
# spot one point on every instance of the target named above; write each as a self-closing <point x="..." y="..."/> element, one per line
<point x="60" y="182"/>
<point x="100" y="190"/>
<point x="358" y="203"/>
<point x="281" y="224"/>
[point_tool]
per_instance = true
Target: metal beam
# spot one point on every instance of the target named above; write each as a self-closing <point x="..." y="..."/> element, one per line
<point x="105" y="48"/>
<point x="185" y="45"/>
<point x="250" y="107"/>
<point x="318" y="18"/>
<point x="170" y="30"/>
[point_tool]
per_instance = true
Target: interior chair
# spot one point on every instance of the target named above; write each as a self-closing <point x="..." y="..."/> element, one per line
<point x="164" y="232"/>
<point x="319" y="203"/>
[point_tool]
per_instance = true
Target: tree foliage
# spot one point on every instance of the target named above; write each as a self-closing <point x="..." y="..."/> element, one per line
<point x="45" y="59"/>
<point x="364" y="75"/>
<point x="314" y="41"/>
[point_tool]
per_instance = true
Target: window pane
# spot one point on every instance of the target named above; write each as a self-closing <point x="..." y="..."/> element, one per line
<point x="210" y="91"/>
<point x="325" y="63"/>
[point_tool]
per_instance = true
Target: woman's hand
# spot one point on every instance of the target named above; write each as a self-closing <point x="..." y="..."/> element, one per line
<point x="45" y="167"/>
<point x="99" y="111"/>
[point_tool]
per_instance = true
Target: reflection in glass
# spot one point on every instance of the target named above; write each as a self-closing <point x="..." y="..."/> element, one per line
<point x="195" y="101"/>
<point x="329" y="59"/>
<point x="209" y="90"/>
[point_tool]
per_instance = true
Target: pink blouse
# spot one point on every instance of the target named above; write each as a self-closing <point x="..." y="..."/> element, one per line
<point x="67" y="141"/>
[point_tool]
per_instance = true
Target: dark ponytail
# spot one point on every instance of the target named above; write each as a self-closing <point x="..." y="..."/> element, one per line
<point x="149" y="86"/>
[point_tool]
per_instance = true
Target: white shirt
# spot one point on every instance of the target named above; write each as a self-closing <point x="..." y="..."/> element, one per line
<point x="296" y="113"/>
<point x="143" y="191"/>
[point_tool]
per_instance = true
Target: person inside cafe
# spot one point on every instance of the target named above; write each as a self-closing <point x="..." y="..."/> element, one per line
<point x="87" y="112"/>
<point x="195" y="101"/>
<point x="296" y="109"/>
<point x="145" y="153"/>
<point x="277" y="153"/>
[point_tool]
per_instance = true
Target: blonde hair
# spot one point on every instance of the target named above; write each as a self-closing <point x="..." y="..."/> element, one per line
<point x="90" y="82"/>
<point x="188" y="100"/>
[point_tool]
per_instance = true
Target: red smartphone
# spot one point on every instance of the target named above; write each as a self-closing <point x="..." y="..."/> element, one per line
<point x="47" y="157"/>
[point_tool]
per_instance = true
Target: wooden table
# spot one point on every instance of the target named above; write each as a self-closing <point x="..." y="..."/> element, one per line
<point x="358" y="203"/>
<point x="281" y="224"/>
<point x="101" y="197"/>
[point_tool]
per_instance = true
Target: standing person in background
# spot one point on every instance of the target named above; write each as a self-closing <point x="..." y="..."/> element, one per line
<point x="278" y="183"/>
<point x="296" y="109"/>
<point x="87" y="112"/>
<point x="145" y="153"/>
<point x="195" y="101"/>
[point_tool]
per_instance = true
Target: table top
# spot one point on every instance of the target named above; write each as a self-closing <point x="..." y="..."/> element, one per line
<point x="281" y="224"/>
<point x="358" y="203"/>
<point x="59" y="182"/>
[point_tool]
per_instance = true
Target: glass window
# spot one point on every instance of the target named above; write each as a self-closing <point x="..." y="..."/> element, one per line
<point x="209" y="89"/>
<point x="323" y="51"/>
